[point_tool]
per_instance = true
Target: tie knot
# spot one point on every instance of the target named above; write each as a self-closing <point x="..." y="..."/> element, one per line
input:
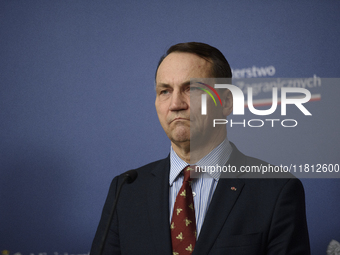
<point x="186" y="171"/>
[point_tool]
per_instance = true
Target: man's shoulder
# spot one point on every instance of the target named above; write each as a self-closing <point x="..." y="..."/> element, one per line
<point x="158" y="167"/>
<point x="161" y="163"/>
<point x="237" y="157"/>
<point x="254" y="168"/>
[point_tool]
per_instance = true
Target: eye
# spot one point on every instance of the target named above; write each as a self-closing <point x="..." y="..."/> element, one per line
<point x="164" y="92"/>
<point x="194" y="89"/>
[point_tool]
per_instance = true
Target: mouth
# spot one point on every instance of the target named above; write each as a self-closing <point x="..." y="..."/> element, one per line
<point x="179" y="119"/>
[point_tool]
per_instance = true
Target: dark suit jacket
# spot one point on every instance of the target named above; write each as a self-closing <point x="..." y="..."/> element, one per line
<point x="262" y="216"/>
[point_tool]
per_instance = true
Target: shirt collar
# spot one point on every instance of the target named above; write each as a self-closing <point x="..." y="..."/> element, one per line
<point x="218" y="156"/>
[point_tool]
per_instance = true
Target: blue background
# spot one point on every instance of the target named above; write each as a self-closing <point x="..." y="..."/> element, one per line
<point x="77" y="103"/>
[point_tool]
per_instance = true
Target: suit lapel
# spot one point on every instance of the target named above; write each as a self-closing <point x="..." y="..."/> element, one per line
<point x="224" y="198"/>
<point x="158" y="206"/>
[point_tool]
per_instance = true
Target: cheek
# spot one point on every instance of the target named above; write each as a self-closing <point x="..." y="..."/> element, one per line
<point x="161" y="112"/>
<point x="195" y="107"/>
<point x="195" y="100"/>
<point x="158" y="106"/>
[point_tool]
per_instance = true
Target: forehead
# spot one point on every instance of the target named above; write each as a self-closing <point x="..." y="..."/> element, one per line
<point x="181" y="67"/>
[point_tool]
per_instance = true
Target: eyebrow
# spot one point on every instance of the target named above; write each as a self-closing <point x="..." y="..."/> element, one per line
<point x="165" y="85"/>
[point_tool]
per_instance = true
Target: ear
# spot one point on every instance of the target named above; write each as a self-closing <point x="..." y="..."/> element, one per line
<point x="227" y="102"/>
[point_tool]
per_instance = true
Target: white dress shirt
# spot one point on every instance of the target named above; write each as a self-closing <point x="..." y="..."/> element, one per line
<point x="203" y="187"/>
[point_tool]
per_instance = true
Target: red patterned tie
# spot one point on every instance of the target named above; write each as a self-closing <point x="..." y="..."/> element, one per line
<point x="183" y="223"/>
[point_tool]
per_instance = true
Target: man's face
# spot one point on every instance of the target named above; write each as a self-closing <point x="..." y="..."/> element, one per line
<point x="180" y="122"/>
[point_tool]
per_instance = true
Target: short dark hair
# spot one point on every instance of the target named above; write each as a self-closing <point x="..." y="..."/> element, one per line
<point x="220" y="65"/>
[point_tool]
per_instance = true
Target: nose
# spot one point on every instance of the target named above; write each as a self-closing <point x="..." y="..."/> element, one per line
<point x="179" y="102"/>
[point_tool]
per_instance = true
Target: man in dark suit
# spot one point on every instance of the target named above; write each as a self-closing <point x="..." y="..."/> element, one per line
<point x="231" y="213"/>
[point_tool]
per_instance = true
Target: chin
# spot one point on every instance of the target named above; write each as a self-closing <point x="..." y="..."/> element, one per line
<point x="180" y="136"/>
